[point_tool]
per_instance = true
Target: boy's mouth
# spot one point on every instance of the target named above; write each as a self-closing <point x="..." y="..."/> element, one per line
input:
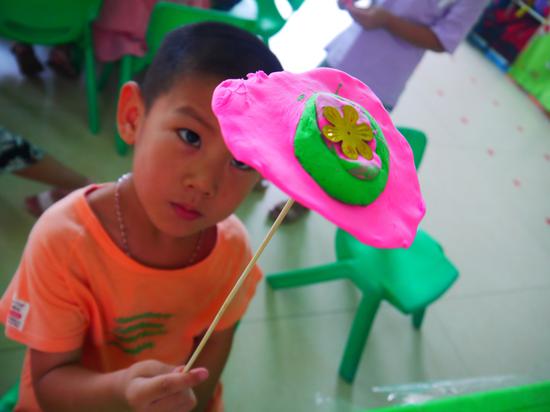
<point x="185" y="212"/>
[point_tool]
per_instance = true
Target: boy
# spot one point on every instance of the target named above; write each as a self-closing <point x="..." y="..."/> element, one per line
<point x="118" y="281"/>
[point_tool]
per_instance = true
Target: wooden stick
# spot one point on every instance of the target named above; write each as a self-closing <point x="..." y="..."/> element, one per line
<point x="239" y="283"/>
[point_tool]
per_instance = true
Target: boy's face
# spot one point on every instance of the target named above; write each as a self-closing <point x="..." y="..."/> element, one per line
<point x="184" y="176"/>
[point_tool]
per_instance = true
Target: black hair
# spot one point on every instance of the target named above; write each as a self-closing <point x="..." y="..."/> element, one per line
<point x="206" y="49"/>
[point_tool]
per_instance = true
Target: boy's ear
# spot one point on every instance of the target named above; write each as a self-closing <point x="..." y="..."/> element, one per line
<point x="130" y="111"/>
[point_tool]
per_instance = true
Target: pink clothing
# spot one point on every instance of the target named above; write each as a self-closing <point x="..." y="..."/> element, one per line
<point x="121" y="27"/>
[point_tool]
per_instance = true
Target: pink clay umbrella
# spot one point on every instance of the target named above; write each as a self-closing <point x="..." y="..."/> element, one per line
<point x="325" y="139"/>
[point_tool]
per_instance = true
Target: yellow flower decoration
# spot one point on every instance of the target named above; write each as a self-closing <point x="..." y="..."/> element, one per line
<point x="354" y="137"/>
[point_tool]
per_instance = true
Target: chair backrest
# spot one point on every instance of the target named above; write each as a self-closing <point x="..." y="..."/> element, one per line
<point x="295" y="4"/>
<point x="346" y="245"/>
<point x="169" y="16"/>
<point x="46" y="21"/>
<point x="417" y="140"/>
<point x="269" y="20"/>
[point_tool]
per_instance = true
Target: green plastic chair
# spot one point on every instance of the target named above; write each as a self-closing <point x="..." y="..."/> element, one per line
<point x="410" y="279"/>
<point x="531" y="70"/>
<point x="168" y="16"/>
<point x="527" y="398"/>
<point x="56" y="22"/>
<point x="165" y="18"/>
<point x="269" y="21"/>
<point x="9" y="399"/>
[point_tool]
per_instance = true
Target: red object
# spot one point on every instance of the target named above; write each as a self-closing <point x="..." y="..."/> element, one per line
<point x="504" y="30"/>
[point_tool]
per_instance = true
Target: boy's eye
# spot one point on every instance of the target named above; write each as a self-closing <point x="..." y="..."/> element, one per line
<point x="240" y="165"/>
<point x="189" y="137"/>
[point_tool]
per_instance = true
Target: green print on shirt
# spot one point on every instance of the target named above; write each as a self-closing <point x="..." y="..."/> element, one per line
<point x="131" y="332"/>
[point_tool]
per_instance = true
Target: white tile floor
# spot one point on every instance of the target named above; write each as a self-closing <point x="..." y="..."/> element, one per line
<point x="486" y="181"/>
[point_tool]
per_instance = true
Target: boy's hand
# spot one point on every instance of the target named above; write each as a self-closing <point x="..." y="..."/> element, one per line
<point x="154" y="386"/>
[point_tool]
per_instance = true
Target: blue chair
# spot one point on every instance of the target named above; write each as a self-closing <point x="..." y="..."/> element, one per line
<point x="409" y="279"/>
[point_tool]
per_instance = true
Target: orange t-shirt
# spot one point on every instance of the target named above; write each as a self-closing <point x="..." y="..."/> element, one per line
<point x="75" y="288"/>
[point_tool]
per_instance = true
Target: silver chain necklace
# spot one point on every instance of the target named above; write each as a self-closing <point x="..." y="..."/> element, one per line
<point x="122" y="227"/>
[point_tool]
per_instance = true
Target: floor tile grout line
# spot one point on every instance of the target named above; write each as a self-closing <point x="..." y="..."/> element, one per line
<point x="452" y="343"/>
<point x="299" y="316"/>
<point x="492" y="294"/>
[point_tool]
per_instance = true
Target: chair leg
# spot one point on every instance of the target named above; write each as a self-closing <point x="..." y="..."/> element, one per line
<point x="91" y="90"/>
<point x="104" y="76"/>
<point x="317" y="274"/>
<point x="358" y="336"/>
<point x="125" y="75"/>
<point x="418" y="317"/>
<point x="9" y="399"/>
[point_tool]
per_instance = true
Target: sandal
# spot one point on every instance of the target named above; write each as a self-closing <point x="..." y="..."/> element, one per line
<point x="296" y="212"/>
<point x="28" y="63"/>
<point x="61" y="62"/>
<point x="37" y="204"/>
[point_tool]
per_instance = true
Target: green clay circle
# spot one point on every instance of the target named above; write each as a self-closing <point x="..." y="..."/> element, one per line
<point x="329" y="170"/>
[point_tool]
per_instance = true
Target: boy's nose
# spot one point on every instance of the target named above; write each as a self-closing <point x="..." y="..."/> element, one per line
<point x="203" y="184"/>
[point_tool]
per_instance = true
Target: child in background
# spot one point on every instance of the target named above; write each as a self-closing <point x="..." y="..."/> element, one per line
<point x="22" y="158"/>
<point x="386" y="42"/>
<point x="118" y="281"/>
<point x="121" y="26"/>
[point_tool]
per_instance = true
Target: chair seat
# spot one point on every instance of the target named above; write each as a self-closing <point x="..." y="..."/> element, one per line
<point x="410" y="279"/>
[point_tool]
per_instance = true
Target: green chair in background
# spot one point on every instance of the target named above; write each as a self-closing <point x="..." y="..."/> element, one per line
<point x="526" y="398"/>
<point x="269" y="20"/>
<point x="295" y="4"/>
<point x="56" y="22"/>
<point x="531" y="69"/>
<point x="409" y="279"/>
<point x="165" y="18"/>
<point x="168" y="16"/>
<point x="9" y="399"/>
